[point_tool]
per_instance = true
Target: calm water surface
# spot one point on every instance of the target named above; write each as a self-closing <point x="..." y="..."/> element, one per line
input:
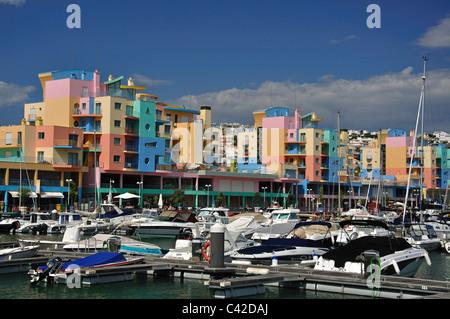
<point x="16" y="286"/>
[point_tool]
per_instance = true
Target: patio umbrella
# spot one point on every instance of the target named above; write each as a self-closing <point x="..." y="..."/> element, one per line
<point x="126" y="196"/>
<point x="160" y="202"/>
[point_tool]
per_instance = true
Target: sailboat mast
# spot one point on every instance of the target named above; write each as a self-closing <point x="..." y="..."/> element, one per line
<point x="339" y="162"/>
<point x="421" y="139"/>
<point x="414" y="142"/>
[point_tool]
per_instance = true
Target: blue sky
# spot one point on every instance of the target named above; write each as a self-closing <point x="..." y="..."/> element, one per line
<point x="239" y="56"/>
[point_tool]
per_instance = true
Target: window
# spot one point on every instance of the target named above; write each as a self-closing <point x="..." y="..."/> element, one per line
<point x="84" y="91"/>
<point x="98" y="108"/>
<point x="317" y="160"/>
<point x="116" y="123"/>
<point x="291" y="135"/>
<point x="117" y="106"/>
<point x="83" y="106"/>
<point x="117" y="141"/>
<point x="116" y="158"/>
<point x="317" y="147"/>
<point x="41" y="135"/>
<point x="8" y="139"/>
<point x="40" y="157"/>
<point x="317" y="135"/>
<point x="73" y="159"/>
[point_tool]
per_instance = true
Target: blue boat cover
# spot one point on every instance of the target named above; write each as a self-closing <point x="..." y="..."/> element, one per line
<point x="100" y="258"/>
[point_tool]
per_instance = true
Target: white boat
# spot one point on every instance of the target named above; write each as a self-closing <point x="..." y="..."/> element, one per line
<point x="280" y="223"/>
<point x="394" y="256"/>
<point x="294" y="249"/>
<point x="21" y="251"/>
<point x="61" y="272"/>
<point x="440" y="225"/>
<point x="167" y="224"/>
<point x="214" y="214"/>
<point x="10" y="225"/>
<point x="421" y="236"/>
<point x="356" y="228"/>
<point x="115" y="243"/>
<point x="42" y="223"/>
<point x="184" y="245"/>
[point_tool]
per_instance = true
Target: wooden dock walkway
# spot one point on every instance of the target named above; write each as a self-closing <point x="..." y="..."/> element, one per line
<point x="237" y="280"/>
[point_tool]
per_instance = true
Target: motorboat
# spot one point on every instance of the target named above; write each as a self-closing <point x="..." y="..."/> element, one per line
<point x="394" y="256"/>
<point x="58" y="271"/>
<point x="440" y="225"/>
<point x="42" y="223"/>
<point x="20" y="251"/>
<point x="421" y="235"/>
<point x="284" y="250"/>
<point x="359" y="227"/>
<point x="213" y="214"/>
<point x="9" y="225"/>
<point x="279" y="224"/>
<point x="190" y="240"/>
<point x="167" y="224"/>
<point x="298" y="247"/>
<point x="115" y="243"/>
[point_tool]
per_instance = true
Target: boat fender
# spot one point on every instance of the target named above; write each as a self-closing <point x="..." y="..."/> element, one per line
<point x="257" y="271"/>
<point x="427" y="258"/>
<point x="206" y="250"/>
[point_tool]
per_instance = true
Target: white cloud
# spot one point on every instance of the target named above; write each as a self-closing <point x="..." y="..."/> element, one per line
<point x="438" y="36"/>
<point x="347" y="38"/>
<point x="145" y="80"/>
<point x="14" y="2"/>
<point x="383" y="101"/>
<point x="11" y="94"/>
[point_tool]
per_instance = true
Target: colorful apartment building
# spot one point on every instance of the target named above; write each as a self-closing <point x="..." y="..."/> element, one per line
<point x="104" y="136"/>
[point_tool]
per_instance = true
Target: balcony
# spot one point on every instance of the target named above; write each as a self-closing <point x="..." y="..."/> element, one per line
<point x="79" y="113"/>
<point x="131" y="148"/>
<point x="66" y="143"/>
<point x="131" y="131"/>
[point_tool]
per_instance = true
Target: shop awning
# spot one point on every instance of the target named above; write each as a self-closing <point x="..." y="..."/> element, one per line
<point x="16" y="194"/>
<point x="52" y="195"/>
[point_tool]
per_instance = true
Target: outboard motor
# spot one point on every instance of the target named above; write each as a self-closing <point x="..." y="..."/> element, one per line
<point x="37" y="277"/>
<point x="113" y="244"/>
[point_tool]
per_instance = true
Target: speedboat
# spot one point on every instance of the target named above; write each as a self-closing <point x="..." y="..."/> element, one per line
<point x="167" y="224"/>
<point x="115" y="243"/>
<point x="393" y="255"/>
<point x="284" y="250"/>
<point x="279" y="224"/>
<point x="59" y="271"/>
<point x="17" y="252"/>
<point x="357" y="227"/>
<point x="440" y="225"/>
<point x="422" y="236"/>
<point x="296" y="248"/>
<point x="9" y="225"/>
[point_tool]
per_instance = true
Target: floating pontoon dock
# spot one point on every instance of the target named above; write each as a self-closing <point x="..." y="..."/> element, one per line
<point x="238" y="280"/>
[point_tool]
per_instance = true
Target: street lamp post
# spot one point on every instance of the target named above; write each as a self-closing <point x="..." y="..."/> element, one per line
<point x="69" y="180"/>
<point x="264" y="189"/>
<point x="309" y="201"/>
<point x="207" y="196"/>
<point x="140" y="186"/>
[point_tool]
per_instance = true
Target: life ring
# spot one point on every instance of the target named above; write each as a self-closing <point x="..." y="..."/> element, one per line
<point x="206" y="250"/>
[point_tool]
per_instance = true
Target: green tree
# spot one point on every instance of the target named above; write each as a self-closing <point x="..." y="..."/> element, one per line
<point x="220" y="199"/>
<point x="258" y="199"/>
<point x="290" y="201"/>
<point x="177" y="197"/>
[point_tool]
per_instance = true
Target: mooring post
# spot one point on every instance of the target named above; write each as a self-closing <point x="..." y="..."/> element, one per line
<point x="217" y="246"/>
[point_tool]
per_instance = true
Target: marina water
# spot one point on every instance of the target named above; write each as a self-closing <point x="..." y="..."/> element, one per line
<point x="16" y="286"/>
